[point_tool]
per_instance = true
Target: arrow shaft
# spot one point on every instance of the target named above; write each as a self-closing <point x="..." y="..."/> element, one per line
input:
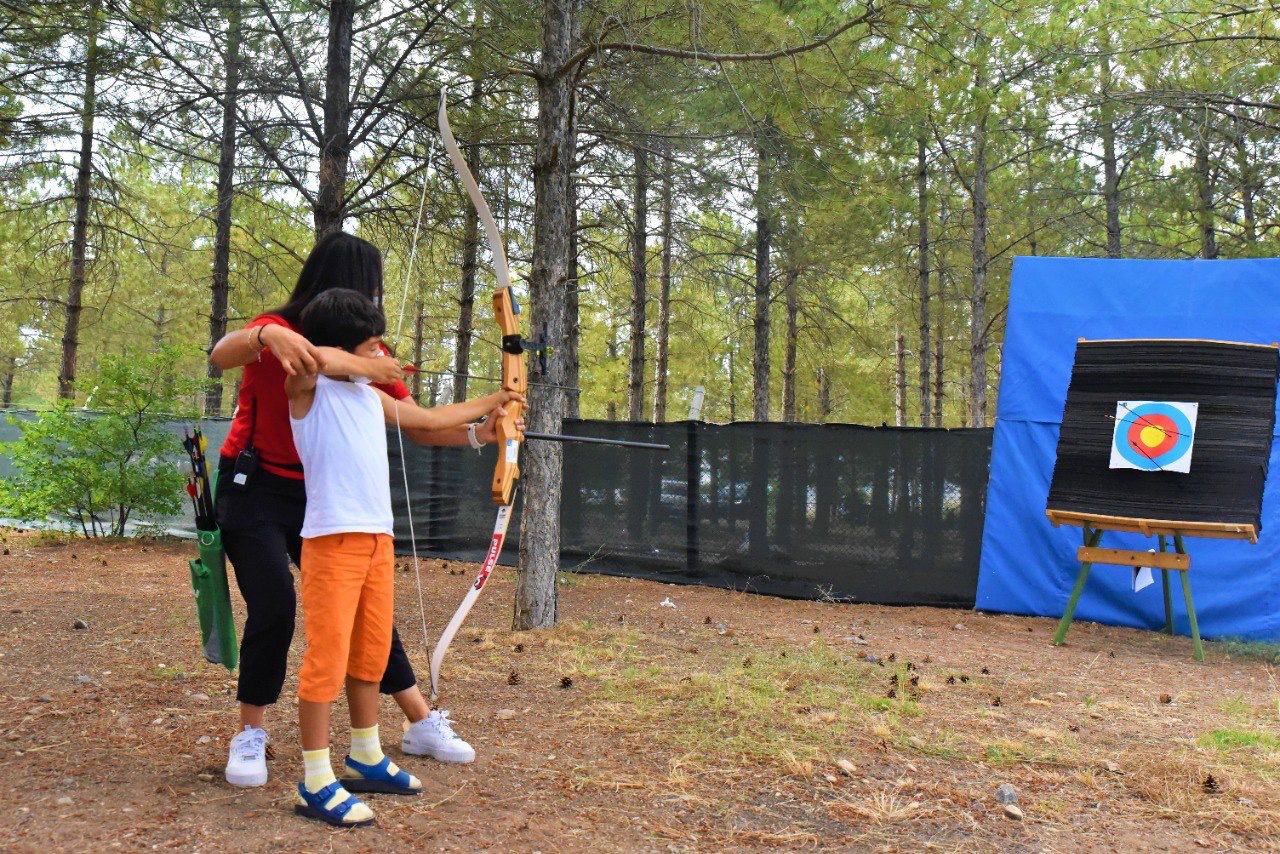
<point x="592" y="440"/>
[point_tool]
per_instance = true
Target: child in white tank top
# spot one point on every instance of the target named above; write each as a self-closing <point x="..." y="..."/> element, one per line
<point x="347" y="559"/>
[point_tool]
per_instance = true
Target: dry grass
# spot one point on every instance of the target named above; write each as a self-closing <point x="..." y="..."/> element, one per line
<point x="733" y="722"/>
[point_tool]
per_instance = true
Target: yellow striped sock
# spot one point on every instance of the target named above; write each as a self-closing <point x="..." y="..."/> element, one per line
<point x="366" y="746"/>
<point x="318" y="770"/>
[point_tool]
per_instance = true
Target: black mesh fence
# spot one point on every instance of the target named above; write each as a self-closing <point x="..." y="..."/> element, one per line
<point x="869" y="514"/>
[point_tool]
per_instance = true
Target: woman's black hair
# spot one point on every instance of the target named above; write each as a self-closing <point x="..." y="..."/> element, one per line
<point x="338" y="260"/>
<point x="341" y="317"/>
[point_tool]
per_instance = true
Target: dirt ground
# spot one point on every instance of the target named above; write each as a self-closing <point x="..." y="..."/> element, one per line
<point x="729" y="722"/>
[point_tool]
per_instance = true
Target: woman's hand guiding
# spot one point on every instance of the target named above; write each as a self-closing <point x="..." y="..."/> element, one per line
<point x="384" y="371"/>
<point x="296" y="354"/>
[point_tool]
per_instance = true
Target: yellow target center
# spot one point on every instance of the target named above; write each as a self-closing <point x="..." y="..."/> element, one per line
<point x="1151" y="436"/>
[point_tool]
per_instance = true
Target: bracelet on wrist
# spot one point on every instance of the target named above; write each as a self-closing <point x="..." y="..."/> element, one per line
<point x="471" y="436"/>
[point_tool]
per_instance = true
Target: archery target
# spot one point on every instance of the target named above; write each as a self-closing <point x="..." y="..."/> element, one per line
<point x="1153" y="435"/>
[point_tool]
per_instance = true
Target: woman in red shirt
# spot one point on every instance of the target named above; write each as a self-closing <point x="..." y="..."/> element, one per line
<point x="261" y="500"/>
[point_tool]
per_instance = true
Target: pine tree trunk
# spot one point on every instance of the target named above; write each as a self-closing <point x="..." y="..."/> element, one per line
<point x="922" y="217"/>
<point x="1032" y="247"/>
<point x="10" y="368"/>
<point x="938" y="337"/>
<point x="433" y="390"/>
<point x="900" y="379"/>
<point x="1110" y="167"/>
<point x="417" y="351"/>
<point x="793" y="335"/>
<point x="1248" y="189"/>
<point x="572" y="315"/>
<point x="664" y="297"/>
<point x="940" y="318"/>
<point x="535" y="600"/>
<point x="226" y="192"/>
<point x="1204" y="185"/>
<point x="572" y="311"/>
<point x="733" y="395"/>
<point x="639" y="283"/>
<point x="83" y="193"/>
<point x="764" y="235"/>
<point x="978" y="296"/>
<point x="335" y="142"/>
<point x="611" y="353"/>
<point x="824" y="395"/>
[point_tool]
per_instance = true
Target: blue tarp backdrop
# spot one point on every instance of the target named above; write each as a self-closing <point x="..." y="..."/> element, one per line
<point x="1028" y="566"/>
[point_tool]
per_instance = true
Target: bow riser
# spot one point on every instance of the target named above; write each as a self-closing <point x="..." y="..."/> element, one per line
<point x="507" y="470"/>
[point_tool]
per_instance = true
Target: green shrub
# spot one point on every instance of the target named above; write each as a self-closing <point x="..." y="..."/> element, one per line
<point x="102" y="468"/>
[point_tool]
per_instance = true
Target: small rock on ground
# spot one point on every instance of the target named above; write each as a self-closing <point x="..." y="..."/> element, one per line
<point x="1006" y="794"/>
<point x="79" y="624"/>
<point x="1013" y="811"/>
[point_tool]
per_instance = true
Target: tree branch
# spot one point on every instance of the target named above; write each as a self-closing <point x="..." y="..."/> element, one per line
<point x="871" y="14"/>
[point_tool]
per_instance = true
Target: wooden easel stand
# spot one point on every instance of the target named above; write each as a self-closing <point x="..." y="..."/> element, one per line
<point x="1176" y="561"/>
<point x="1089" y="554"/>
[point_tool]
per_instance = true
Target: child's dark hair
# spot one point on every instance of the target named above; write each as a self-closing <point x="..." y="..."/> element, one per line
<point x="338" y="260"/>
<point x="341" y="317"/>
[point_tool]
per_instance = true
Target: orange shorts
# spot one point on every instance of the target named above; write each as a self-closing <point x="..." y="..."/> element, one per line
<point x="348" y="600"/>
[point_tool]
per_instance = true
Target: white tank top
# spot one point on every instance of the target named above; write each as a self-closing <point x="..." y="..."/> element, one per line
<point x="342" y="443"/>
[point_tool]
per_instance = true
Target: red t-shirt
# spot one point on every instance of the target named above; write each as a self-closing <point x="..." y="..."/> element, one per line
<point x="262" y="412"/>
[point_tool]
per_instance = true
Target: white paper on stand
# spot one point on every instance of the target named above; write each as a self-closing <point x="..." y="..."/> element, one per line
<point x="1142" y="576"/>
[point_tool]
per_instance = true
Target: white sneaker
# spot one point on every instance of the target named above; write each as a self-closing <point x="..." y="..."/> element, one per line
<point x="247" y="759"/>
<point x="434" y="736"/>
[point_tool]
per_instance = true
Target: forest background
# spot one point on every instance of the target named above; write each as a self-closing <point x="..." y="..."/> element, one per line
<point x="807" y="207"/>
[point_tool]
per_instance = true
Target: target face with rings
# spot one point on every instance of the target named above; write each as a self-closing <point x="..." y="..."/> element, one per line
<point x="1153" y="435"/>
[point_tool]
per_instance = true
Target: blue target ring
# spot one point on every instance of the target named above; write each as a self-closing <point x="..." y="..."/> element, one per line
<point x="1135" y="419"/>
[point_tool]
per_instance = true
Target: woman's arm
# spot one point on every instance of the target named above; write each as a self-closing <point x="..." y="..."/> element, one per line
<point x="296" y="354"/>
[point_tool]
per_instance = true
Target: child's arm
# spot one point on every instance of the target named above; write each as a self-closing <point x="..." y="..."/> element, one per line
<point x="441" y="417"/>
<point x="301" y="390"/>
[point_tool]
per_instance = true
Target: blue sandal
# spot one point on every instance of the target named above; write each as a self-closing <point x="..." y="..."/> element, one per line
<point x="378" y="778"/>
<point x="313" y="806"/>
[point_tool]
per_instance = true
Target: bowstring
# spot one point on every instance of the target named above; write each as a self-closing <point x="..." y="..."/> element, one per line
<point x="404" y="468"/>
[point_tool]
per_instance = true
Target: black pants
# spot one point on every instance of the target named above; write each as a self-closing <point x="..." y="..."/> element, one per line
<point x="261" y="533"/>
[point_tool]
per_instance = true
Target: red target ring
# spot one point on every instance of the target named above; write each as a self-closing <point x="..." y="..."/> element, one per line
<point x="1154" y="427"/>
